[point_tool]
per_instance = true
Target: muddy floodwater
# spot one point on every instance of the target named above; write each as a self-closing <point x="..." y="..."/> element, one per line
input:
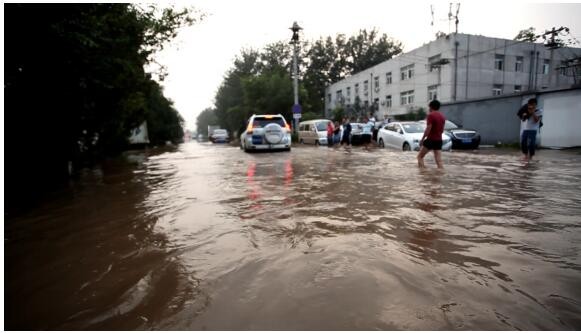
<point x="207" y="237"/>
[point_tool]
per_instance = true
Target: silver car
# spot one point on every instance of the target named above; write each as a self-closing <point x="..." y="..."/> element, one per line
<point x="266" y="132"/>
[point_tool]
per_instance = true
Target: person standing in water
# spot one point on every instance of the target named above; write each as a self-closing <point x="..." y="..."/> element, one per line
<point x="432" y="138"/>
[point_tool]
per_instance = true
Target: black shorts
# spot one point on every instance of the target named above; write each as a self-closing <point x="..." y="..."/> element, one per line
<point x="366" y="138"/>
<point x="433" y="144"/>
<point x="345" y="139"/>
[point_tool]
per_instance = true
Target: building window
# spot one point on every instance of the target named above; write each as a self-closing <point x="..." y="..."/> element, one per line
<point x="329" y="98"/>
<point x="376" y="83"/>
<point x="546" y="65"/>
<point x="365" y="88"/>
<point x="407" y="72"/>
<point x="340" y="97"/>
<point x="388" y="101"/>
<point x="497" y="90"/>
<point x="433" y="62"/>
<point x="499" y="62"/>
<point x="348" y="94"/>
<point x="407" y="97"/>
<point x="388" y="78"/>
<point x="357" y="89"/>
<point x="563" y="68"/>
<point x="518" y="67"/>
<point x="432" y="93"/>
<point x="517" y="88"/>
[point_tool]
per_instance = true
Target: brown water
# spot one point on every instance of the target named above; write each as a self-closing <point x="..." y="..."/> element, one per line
<point x="209" y="237"/>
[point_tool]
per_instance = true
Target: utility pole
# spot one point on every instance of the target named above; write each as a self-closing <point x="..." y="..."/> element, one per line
<point x="296" y="106"/>
<point x="552" y="44"/>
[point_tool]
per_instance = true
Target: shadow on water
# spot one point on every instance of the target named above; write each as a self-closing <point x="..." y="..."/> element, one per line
<point x="92" y="259"/>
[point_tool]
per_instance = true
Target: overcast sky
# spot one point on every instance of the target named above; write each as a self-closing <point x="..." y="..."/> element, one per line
<point x="200" y="56"/>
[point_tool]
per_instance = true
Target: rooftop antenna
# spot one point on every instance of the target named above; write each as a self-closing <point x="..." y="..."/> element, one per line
<point x="452" y="16"/>
<point x="449" y="17"/>
<point x="457" y="12"/>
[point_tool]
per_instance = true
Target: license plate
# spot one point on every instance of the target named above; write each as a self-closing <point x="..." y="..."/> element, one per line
<point x="467" y="140"/>
<point x="257" y="140"/>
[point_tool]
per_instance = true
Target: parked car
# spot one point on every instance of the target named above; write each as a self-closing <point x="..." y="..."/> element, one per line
<point x="406" y="136"/>
<point x="356" y="133"/>
<point x="313" y="131"/>
<point x="220" y="135"/>
<point x="462" y="138"/>
<point x="266" y="132"/>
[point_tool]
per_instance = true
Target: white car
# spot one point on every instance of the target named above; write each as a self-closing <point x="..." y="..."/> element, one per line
<point x="266" y="132"/>
<point x="406" y="136"/>
<point x="219" y="135"/>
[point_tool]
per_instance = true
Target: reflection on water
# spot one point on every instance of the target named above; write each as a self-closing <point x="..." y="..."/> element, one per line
<point x="208" y="237"/>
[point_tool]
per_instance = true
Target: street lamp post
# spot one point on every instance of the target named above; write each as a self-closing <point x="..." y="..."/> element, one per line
<point x="296" y="106"/>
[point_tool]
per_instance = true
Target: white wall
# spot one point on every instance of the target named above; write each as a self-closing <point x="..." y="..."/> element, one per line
<point x="562" y="119"/>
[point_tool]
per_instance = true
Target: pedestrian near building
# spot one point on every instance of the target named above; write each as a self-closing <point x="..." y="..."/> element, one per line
<point x="330" y="130"/>
<point x="367" y="132"/>
<point x="337" y="133"/>
<point x="531" y="118"/>
<point x="373" y="128"/>
<point x="346" y="133"/>
<point x="432" y="138"/>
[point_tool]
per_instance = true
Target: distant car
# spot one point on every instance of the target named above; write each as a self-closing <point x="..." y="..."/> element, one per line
<point x="462" y="138"/>
<point x="220" y="136"/>
<point x="406" y="136"/>
<point x="266" y="132"/>
<point x="313" y="131"/>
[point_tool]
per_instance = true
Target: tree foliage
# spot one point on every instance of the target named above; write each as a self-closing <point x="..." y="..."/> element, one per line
<point x="206" y="118"/>
<point x="260" y="81"/>
<point x="526" y="35"/>
<point x="75" y="84"/>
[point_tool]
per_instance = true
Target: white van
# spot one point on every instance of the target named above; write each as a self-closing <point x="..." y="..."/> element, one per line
<point x="313" y="131"/>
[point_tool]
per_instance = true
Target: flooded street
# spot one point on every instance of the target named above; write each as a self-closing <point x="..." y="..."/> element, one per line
<point x="207" y="237"/>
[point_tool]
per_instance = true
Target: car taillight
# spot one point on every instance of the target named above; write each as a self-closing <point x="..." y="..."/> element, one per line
<point x="287" y="127"/>
<point x="249" y="129"/>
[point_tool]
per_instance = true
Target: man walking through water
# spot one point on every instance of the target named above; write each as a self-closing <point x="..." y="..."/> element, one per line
<point x="531" y="117"/>
<point x="432" y="138"/>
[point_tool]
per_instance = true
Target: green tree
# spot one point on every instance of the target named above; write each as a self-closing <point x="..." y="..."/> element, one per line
<point x="207" y="117"/>
<point x="260" y="80"/>
<point x="338" y="114"/>
<point x="75" y="85"/>
<point x="230" y="94"/>
<point x="526" y="35"/>
<point x="368" y="49"/>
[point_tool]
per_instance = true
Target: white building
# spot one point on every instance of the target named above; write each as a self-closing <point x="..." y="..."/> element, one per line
<point x="485" y="67"/>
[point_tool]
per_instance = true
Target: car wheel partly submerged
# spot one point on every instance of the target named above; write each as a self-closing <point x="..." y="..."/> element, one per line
<point x="406" y="146"/>
<point x="381" y="144"/>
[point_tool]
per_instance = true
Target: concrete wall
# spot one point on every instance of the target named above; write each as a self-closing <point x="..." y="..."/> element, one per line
<point x="495" y="119"/>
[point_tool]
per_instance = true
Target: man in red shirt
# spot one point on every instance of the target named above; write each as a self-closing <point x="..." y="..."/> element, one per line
<point x="330" y="130"/>
<point x="432" y="139"/>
